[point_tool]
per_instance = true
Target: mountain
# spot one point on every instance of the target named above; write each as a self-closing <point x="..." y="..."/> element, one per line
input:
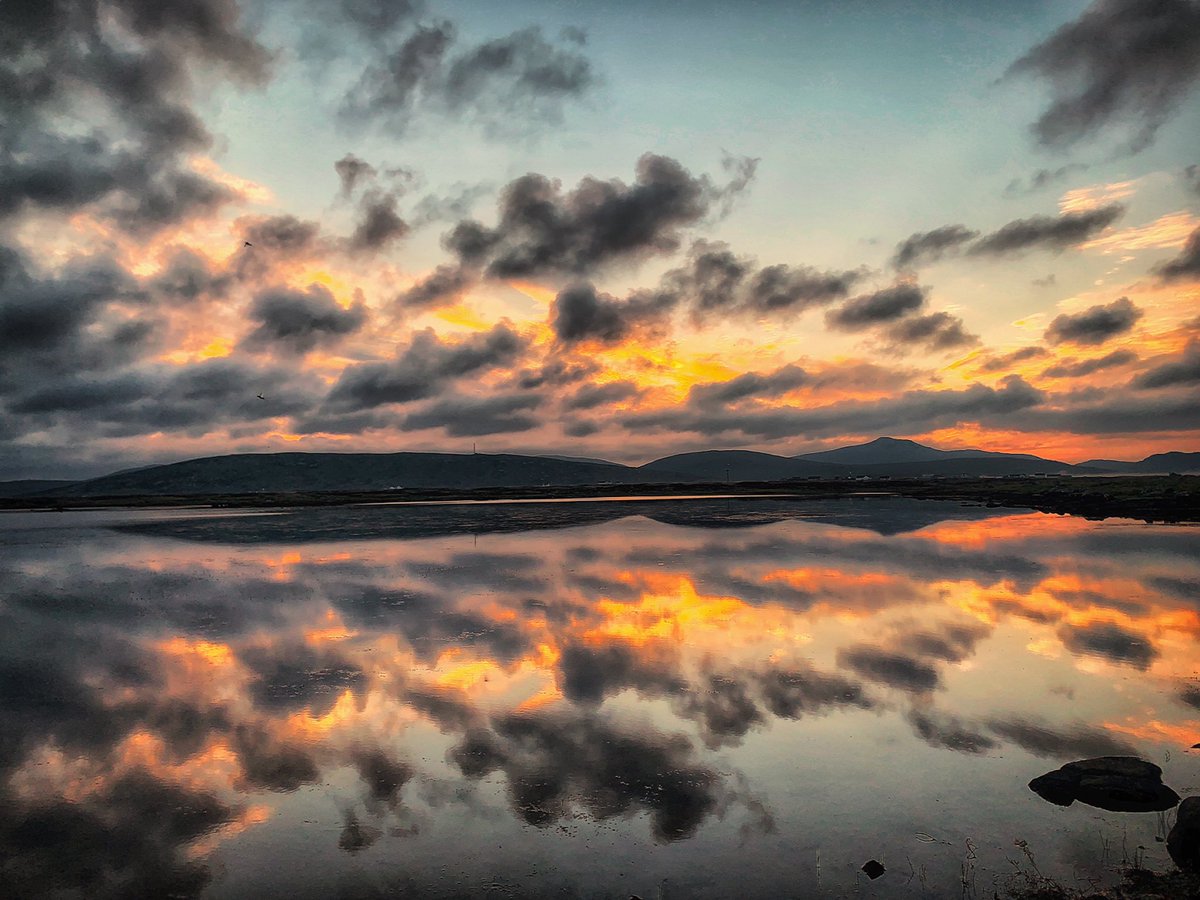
<point x="27" y="487"/>
<point x="1158" y="464"/>
<point x="738" y="465"/>
<point x="887" y="451"/>
<point x="284" y="472"/>
<point x="347" y="472"/>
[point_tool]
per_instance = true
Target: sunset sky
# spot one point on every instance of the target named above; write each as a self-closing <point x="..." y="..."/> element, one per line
<point x="597" y="228"/>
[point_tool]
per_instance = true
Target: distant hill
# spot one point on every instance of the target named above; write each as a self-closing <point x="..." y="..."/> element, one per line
<point x="347" y="472"/>
<point x="738" y="465"/>
<point x="890" y="451"/>
<point x="282" y="472"/>
<point x="1158" y="464"/>
<point x="27" y="487"/>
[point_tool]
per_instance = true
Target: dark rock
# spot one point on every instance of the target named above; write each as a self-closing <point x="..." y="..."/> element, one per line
<point x="873" y="868"/>
<point x="1116" y="783"/>
<point x="1183" y="843"/>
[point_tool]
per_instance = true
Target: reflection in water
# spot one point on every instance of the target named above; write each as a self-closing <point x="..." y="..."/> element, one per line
<point x="692" y="699"/>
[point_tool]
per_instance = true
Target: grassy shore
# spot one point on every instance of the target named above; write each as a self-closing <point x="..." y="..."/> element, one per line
<point x="1149" y="498"/>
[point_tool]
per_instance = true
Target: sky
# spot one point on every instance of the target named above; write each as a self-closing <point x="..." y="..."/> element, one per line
<point x="606" y="229"/>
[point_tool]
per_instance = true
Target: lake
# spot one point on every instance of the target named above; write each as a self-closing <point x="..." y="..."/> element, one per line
<point x="724" y="697"/>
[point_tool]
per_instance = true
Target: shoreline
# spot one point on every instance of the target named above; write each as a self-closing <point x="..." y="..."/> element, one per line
<point x="1149" y="498"/>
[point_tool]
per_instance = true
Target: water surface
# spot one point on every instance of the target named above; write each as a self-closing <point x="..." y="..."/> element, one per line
<point x="699" y="698"/>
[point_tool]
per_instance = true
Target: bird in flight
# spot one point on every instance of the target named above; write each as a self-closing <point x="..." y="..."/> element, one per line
<point x="261" y="397"/>
<point x="247" y="244"/>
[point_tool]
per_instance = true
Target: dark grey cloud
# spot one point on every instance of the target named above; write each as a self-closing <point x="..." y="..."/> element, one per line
<point x="591" y="672"/>
<point x="504" y="83"/>
<point x="94" y="106"/>
<point x="1182" y="369"/>
<point x="443" y="286"/>
<point x="882" y="306"/>
<point x="188" y="278"/>
<point x="1094" y="325"/>
<point x="750" y="385"/>
<point x="1186" y="266"/>
<point x="1126" y="62"/>
<point x="1072" y="742"/>
<point x="1073" y="368"/>
<point x="592" y="395"/>
<point x="930" y="246"/>
<point x="1055" y="233"/>
<point x="580" y="313"/>
<point x="941" y="730"/>
<point x="1115" y="413"/>
<point x="379" y="223"/>
<point x="1113" y="642"/>
<point x="714" y="280"/>
<point x="898" y="670"/>
<point x="946" y="642"/>
<point x="1040" y="179"/>
<point x="422" y="368"/>
<point x="1190" y="694"/>
<point x="292" y="678"/>
<point x="911" y="411"/>
<point x="300" y="321"/>
<point x="544" y="230"/>
<point x="352" y="172"/>
<point x="556" y="763"/>
<point x="1008" y="360"/>
<point x="935" y="331"/>
<point x="471" y="416"/>
<point x="270" y="764"/>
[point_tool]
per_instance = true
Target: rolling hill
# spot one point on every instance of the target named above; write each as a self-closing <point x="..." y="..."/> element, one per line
<point x="349" y="472"/>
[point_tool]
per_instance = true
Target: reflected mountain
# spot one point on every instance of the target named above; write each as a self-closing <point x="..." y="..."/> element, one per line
<point x="412" y="521"/>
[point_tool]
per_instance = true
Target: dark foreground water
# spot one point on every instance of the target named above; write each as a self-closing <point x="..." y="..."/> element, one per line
<point x="721" y="698"/>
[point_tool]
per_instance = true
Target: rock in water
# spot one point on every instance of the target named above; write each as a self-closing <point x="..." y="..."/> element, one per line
<point x="873" y="868"/>
<point x="1116" y="783"/>
<point x="1183" y="843"/>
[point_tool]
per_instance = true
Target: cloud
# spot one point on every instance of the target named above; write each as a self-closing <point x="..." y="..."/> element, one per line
<point x="1007" y="361"/>
<point x="1055" y="233"/>
<point x="471" y="416"/>
<point x="580" y="313"/>
<point x="1094" y="325"/>
<point x="423" y="367"/>
<point x="908" y="412"/>
<point x="592" y="395"/>
<point x="885" y="305"/>
<point x="554" y="762"/>
<point x="1186" y="266"/>
<point x="898" y="670"/>
<point x="1127" y="62"/>
<point x="935" y="331"/>
<point x="300" y="321"/>
<point x="749" y="385"/>
<point x="1111" y="641"/>
<point x="1071" y="368"/>
<point x="543" y="230"/>
<point x="443" y="286"/>
<point x="352" y="171"/>
<point x="930" y="246"/>
<point x="122" y="81"/>
<point x="520" y="78"/>
<point x="1040" y="179"/>
<point x="379" y="223"/>
<point x="1182" y="369"/>
<point x="1072" y="742"/>
<point x="941" y="730"/>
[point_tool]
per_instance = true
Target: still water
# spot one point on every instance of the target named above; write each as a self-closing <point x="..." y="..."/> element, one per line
<point x="699" y="698"/>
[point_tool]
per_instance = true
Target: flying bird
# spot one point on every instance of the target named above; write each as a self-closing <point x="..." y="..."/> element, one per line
<point x="247" y="244"/>
<point x="261" y="397"/>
